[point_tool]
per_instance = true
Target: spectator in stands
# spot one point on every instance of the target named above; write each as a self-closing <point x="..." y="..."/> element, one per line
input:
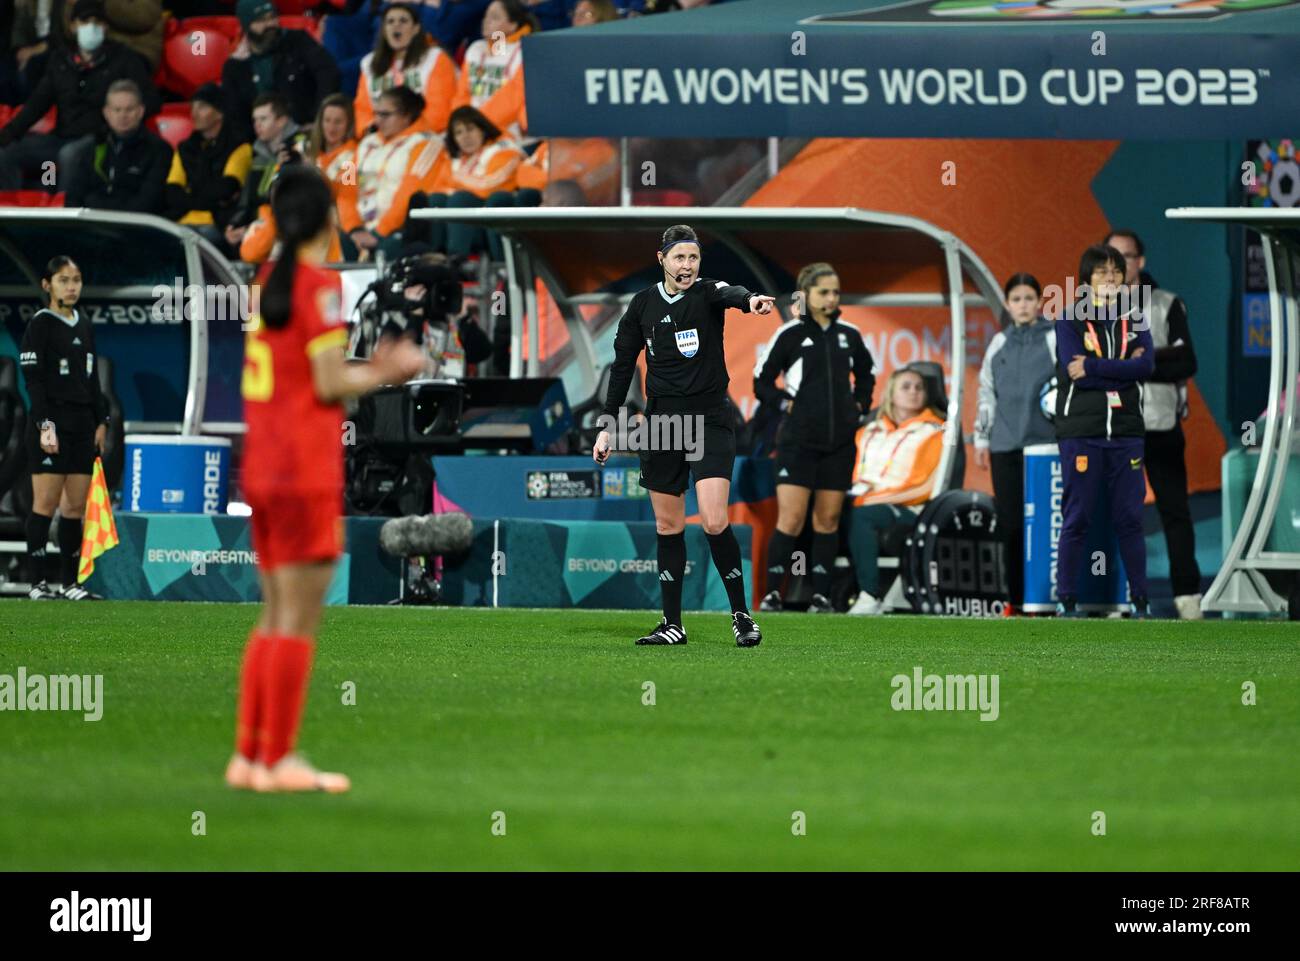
<point x="588" y="12"/>
<point x="127" y="170"/>
<point x="1164" y="406"/>
<point x="268" y="58"/>
<point x="278" y="140"/>
<point x="897" y="455"/>
<point x="483" y="173"/>
<point x="76" y="81"/>
<point x="137" y="24"/>
<point x="1018" y="367"/>
<point x="492" y="77"/>
<point x="331" y="147"/>
<point x="350" y="34"/>
<point x="27" y="25"/>
<point x="208" y="169"/>
<point x="400" y="159"/>
<point x="405" y="55"/>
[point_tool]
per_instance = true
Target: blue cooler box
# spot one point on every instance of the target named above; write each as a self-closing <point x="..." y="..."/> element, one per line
<point x="174" y="474"/>
<point x="1044" y="487"/>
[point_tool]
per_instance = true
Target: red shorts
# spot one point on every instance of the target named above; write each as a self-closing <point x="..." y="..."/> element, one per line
<point x="296" y="527"/>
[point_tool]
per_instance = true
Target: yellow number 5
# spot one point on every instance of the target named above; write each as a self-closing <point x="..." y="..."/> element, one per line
<point x="259" y="377"/>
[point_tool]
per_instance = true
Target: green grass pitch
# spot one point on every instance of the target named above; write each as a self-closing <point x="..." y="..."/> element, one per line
<point x="463" y="713"/>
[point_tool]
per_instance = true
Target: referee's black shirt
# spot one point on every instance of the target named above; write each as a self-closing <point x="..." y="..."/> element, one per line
<point x="57" y="357"/>
<point x="686" y="368"/>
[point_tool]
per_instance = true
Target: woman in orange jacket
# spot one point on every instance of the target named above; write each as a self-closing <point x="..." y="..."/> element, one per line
<point x="492" y="76"/>
<point x="897" y="456"/>
<point x="483" y="172"/>
<point x="405" y="55"/>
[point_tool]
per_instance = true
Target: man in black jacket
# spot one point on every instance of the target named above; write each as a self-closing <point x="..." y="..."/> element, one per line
<point x="76" y="81"/>
<point x="127" y="170"/>
<point x="208" y="168"/>
<point x="289" y="62"/>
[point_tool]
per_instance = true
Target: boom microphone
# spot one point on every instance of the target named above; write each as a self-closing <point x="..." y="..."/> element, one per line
<point x="419" y="536"/>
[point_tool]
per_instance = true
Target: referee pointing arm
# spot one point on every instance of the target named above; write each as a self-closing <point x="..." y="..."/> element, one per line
<point x="679" y="323"/>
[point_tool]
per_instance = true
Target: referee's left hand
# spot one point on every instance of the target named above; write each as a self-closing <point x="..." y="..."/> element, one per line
<point x="101" y="436"/>
<point x="1075" y="367"/>
<point x="761" y="304"/>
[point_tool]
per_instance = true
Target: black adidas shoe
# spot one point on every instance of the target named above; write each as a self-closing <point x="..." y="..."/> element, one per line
<point x="42" y="592"/>
<point x="74" y="592"/>
<point x="665" y="633"/>
<point x="746" y="631"/>
<point x="820" y="604"/>
<point x="771" y="602"/>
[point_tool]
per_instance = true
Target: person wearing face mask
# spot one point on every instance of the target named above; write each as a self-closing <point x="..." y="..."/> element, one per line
<point x="128" y="168"/>
<point x="270" y="58"/>
<point x="405" y="55"/>
<point x="1018" y="365"/>
<point x="76" y="81"/>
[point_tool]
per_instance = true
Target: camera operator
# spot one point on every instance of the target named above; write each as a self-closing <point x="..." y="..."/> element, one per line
<point x="419" y="296"/>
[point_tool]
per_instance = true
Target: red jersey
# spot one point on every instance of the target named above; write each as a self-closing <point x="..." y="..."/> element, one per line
<point x="294" y="440"/>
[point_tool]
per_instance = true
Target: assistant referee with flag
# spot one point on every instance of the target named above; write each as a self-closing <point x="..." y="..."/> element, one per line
<point x="68" y="425"/>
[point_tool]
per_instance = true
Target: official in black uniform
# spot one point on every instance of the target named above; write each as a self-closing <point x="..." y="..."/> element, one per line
<point x="678" y="322"/>
<point x="816" y="353"/>
<point x="68" y="424"/>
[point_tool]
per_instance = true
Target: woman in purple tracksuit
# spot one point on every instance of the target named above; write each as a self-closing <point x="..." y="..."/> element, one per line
<point x="1103" y="353"/>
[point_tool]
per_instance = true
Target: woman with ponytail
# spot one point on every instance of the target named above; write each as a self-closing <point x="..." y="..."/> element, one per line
<point x="295" y="378"/>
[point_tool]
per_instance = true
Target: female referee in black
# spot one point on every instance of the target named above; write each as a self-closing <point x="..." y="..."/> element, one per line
<point x="678" y="322"/>
<point x="816" y="353"/>
<point x="69" y="422"/>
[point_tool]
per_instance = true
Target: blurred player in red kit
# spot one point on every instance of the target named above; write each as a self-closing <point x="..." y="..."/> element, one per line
<point x="295" y="378"/>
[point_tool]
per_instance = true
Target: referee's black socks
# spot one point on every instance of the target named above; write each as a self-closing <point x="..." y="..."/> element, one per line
<point x="779" y="549"/>
<point x="824" y="548"/>
<point x="672" y="571"/>
<point x="726" y="558"/>
<point x="38" y="535"/>
<point x="69" y="549"/>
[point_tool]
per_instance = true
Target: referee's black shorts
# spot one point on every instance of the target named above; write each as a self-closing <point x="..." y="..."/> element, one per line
<point x="75" y="430"/>
<point x="814" y="469"/>
<point x="668" y="471"/>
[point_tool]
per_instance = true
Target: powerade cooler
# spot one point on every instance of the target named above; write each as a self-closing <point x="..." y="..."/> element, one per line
<point x="1044" y="488"/>
<point x="167" y="473"/>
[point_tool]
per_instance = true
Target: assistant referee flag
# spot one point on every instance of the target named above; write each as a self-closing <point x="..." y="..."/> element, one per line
<point x="100" y="531"/>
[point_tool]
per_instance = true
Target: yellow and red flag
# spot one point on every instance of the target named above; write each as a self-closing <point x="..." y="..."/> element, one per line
<point x="99" y="531"/>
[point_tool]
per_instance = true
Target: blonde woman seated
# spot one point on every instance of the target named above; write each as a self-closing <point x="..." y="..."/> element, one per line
<point x="897" y="455"/>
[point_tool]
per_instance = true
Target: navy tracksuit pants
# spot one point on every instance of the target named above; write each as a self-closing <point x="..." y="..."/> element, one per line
<point x="1088" y="464"/>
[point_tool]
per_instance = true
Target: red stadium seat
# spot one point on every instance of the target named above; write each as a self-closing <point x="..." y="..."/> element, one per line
<point x="46" y="123"/>
<point x="311" y="24"/>
<point x="293" y="8"/>
<point x="663" y="198"/>
<point x="187" y="69"/>
<point x="29" y="198"/>
<point x="172" y="123"/>
<point x="219" y="24"/>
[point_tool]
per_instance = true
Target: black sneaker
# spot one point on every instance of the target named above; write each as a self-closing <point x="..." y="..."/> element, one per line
<point x="665" y="633"/>
<point x="771" y="602"/>
<point x="820" y="604"/>
<point x="42" y="592"/>
<point x="1138" y="609"/>
<point x="746" y="631"/>
<point x="74" y="592"/>
<point x="1066" y="607"/>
